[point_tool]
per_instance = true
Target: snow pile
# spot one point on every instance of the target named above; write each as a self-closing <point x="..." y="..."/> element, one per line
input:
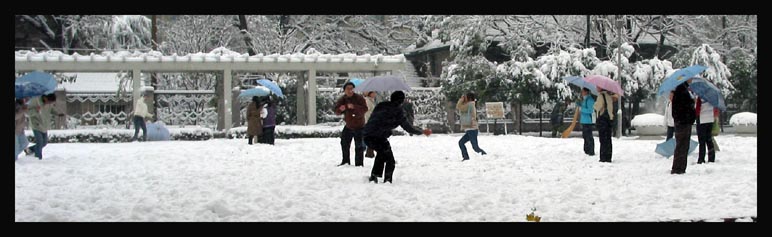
<point x="744" y="118"/>
<point x="648" y="120"/>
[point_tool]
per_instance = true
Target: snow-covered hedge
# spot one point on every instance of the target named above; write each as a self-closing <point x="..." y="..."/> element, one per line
<point x="300" y="131"/>
<point x="105" y="135"/>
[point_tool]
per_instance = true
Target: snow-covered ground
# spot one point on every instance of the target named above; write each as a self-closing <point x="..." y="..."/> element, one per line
<point x="297" y="180"/>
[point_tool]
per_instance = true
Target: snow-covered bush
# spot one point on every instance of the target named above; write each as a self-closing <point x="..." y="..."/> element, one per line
<point x="744" y="122"/>
<point x="649" y="124"/>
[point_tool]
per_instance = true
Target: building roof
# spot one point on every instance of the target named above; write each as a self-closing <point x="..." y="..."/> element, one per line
<point x="94" y="83"/>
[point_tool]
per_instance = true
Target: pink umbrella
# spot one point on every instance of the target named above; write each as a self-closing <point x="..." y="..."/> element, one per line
<point x="605" y="83"/>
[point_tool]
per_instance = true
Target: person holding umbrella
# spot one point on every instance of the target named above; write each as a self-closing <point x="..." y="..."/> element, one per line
<point x="683" y="117"/>
<point x="39" y="112"/>
<point x="353" y="107"/>
<point x="604" y="107"/>
<point x="255" y="117"/>
<point x="587" y="120"/>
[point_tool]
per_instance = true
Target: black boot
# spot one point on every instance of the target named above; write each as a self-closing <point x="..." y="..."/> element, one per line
<point x="344" y="163"/>
<point x="387" y="179"/>
<point x="373" y="179"/>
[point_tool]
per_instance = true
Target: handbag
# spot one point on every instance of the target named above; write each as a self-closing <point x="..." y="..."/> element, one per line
<point x="716" y="127"/>
<point x="466" y="119"/>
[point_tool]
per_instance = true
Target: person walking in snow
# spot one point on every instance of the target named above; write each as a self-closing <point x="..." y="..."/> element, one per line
<point x="586" y="109"/>
<point x="466" y="108"/>
<point x="386" y="116"/>
<point x="353" y="108"/>
<point x="39" y="112"/>
<point x="254" y="119"/>
<point x="140" y="115"/>
<point x="20" y="122"/>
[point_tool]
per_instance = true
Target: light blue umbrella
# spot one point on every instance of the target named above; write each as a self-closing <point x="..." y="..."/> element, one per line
<point x="356" y="81"/>
<point x="35" y="83"/>
<point x="667" y="148"/>
<point x="157" y="132"/>
<point x="708" y="92"/>
<point x="383" y="83"/>
<point x="678" y="77"/>
<point x="272" y="86"/>
<point x="578" y="81"/>
<point x="257" y="91"/>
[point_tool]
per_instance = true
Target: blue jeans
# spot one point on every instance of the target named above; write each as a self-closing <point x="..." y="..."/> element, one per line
<point x="469" y="135"/>
<point x="41" y="140"/>
<point x="139" y="122"/>
<point x="21" y="144"/>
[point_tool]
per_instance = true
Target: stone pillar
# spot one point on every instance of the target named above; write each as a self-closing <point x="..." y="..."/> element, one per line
<point x="135" y="89"/>
<point x="236" y="107"/>
<point x="311" y="96"/>
<point x="300" y="101"/>
<point x="226" y="109"/>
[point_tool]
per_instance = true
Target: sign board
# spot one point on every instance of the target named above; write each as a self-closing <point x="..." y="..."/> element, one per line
<point x="494" y="110"/>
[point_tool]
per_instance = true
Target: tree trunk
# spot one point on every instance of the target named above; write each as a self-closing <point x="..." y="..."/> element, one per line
<point x="245" y="32"/>
<point x="661" y="37"/>
<point x="587" y="35"/>
<point x="154" y="46"/>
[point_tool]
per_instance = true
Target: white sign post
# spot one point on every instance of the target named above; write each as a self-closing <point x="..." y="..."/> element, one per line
<point x="495" y="110"/>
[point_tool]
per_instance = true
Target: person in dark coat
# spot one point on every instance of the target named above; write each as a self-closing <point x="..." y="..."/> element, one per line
<point x="353" y="106"/>
<point x="254" y="120"/>
<point x="683" y="117"/>
<point x="386" y="116"/>
<point x="269" y="122"/>
<point x="409" y="111"/>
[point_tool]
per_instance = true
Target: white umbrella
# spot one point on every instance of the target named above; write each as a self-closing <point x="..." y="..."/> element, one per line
<point x="383" y="83"/>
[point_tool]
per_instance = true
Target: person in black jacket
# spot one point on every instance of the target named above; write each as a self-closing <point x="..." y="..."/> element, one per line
<point x="683" y="117"/>
<point x="386" y="116"/>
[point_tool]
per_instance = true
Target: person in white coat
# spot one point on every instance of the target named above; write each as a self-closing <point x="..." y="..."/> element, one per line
<point x="704" y="127"/>
<point x="669" y="117"/>
<point x="140" y="114"/>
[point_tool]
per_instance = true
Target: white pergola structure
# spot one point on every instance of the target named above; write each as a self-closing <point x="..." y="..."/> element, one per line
<point x="137" y="63"/>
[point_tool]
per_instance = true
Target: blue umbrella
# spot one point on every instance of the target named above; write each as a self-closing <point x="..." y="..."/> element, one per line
<point x="272" y="86"/>
<point x="708" y="92"/>
<point x="667" y="148"/>
<point x="356" y="81"/>
<point x="257" y="91"/>
<point x="581" y="83"/>
<point x="157" y="132"/>
<point x="678" y="77"/>
<point x="35" y="83"/>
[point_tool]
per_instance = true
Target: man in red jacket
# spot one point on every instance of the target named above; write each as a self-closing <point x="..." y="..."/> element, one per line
<point x="353" y="106"/>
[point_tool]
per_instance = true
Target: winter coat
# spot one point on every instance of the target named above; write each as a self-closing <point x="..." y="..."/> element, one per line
<point x="39" y="114"/>
<point x="669" y="114"/>
<point x="609" y="105"/>
<point x="140" y="109"/>
<point x="270" y="118"/>
<point x="386" y="116"/>
<point x="254" y="121"/>
<point x="370" y="107"/>
<point x="586" y="110"/>
<point x="355" y="118"/>
<point x="706" y="113"/>
<point x="683" y="106"/>
<point x="463" y="109"/>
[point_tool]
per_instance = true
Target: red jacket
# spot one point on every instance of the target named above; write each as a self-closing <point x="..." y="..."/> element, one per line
<point x="355" y="118"/>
